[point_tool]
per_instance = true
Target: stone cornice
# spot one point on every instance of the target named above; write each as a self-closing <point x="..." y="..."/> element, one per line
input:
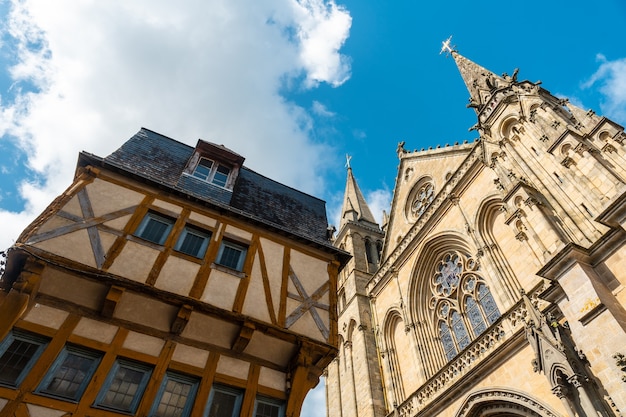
<point x="573" y="254"/>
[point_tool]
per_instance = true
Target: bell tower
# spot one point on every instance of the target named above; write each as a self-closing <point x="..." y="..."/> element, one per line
<point x="353" y="385"/>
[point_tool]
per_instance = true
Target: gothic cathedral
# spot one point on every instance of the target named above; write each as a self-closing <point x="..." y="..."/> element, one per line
<point x="495" y="287"/>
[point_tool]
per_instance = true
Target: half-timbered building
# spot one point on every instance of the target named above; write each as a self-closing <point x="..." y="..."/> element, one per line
<point x="168" y="280"/>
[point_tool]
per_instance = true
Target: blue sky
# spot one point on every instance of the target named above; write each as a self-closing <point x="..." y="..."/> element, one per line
<point x="293" y="85"/>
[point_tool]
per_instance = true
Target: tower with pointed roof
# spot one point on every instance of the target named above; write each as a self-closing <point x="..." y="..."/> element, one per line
<point x="354" y="385"/>
<point x="500" y="287"/>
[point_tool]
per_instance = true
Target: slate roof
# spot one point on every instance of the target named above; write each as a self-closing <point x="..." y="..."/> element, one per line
<point x="160" y="159"/>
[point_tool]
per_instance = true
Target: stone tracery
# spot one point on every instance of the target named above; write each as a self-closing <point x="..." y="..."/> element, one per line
<point x="461" y="301"/>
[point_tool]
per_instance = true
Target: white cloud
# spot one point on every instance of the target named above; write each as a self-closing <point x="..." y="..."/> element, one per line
<point x="379" y="200"/>
<point x="210" y="69"/>
<point x="611" y="78"/>
<point x="321" y="110"/>
<point x="323" y="29"/>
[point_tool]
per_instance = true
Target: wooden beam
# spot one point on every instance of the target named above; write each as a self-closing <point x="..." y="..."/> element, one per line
<point x="111" y="300"/>
<point x="243" y="338"/>
<point x="20" y="298"/>
<point x="182" y="318"/>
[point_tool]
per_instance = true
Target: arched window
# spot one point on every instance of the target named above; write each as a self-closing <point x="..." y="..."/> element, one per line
<point x="370" y="252"/>
<point x="462" y="301"/>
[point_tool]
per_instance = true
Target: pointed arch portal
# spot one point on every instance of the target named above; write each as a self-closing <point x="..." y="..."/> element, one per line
<point x="503" y="403"/>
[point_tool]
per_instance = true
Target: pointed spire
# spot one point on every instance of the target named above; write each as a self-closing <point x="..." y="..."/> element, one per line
<point x="354" y="207"/>
<point x="585" y="118"/>
<point x="480" y="82"/>
<point x="538" y="321"/>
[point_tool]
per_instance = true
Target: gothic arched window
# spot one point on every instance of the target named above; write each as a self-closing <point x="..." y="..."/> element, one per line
<point x="463" y="305"/>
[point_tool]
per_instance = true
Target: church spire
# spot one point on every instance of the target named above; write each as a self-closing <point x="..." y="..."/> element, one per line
<point x="354" y="207"/>
<point x="480" y="82"/>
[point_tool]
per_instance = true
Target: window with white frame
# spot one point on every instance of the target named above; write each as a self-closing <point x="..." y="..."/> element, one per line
<point x="18" y="352"/>
<point x="154" y="228"/>
<point x="193" y="242"/>
<point x="124" y="386"/>
<point x="211" y="171"/>
<point x="232" y="255"/>
<point x="70" y="373"/>
<point x="224" y="402"/>
<point x="175" y="397"/>
<point x="268" y="407"/>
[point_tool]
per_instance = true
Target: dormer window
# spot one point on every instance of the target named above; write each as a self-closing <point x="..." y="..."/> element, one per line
<point x="212" y="172"/>
<point x="214" y="164"/>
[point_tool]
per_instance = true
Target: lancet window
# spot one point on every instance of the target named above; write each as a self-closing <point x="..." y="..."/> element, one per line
<point x="461" y="301"/>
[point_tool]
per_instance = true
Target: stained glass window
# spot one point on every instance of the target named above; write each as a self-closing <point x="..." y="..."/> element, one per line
<point x="448" y="273"/>
<point x="463" y="303"/>
<point x="446" y="340"/>
<point x="488" y="303"/>
<point x="459" y="330"/>
<point x="475" y="317"/>
<point x="422" y="200"/>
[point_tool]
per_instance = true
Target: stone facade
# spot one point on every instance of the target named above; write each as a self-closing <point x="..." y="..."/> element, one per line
<point x="500" y="285"/>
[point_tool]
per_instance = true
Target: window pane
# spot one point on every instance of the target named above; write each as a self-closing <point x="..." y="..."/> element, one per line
<point x="446" y="340"/>
<point x="15" y="360"/>
<point x="176" y="397"/>
<point x="70" y="375"/>
<point x="224" y="403"/>
<point x="203" y="170"/>
<point x="488" y="303"/>
<point x="125" y="387"/>
<point x="232" y="255"/>
<point x="221" y="175"/>
<point x="155" y="230"/>
<point x="459" y="330"/>
<point x="265" y="409"/>
<point x="475" y="316"/>
<point x="193" y="243"/>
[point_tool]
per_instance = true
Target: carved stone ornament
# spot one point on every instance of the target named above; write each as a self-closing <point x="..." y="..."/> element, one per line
<point x="567" y="162"/>
<point x="608" y="148"/>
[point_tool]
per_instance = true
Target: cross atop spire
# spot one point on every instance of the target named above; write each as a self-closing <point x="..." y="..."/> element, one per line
<point x="348" y="158"/>
<point x="446" y="47"/>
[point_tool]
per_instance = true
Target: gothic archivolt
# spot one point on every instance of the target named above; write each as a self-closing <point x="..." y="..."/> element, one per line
<point x="498" y="401"/>
<point x="450" y="298"/>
